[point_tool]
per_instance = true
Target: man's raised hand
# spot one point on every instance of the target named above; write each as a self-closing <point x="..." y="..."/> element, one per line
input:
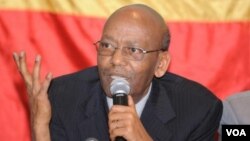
<point x="40" y="108"/>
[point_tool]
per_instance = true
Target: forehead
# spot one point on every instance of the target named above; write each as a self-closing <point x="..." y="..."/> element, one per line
<point x="126" y="34"/>
<point x="128" y="28"/>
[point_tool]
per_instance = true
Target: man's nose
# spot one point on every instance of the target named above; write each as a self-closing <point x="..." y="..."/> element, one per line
<point x="118" y="58"/>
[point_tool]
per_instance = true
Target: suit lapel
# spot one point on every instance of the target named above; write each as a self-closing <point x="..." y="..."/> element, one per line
<point x="157" y="113"/>
<point x="93" y="122"/>
<point x="93" y="112"/>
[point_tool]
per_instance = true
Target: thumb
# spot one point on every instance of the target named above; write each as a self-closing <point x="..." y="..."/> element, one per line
<point x="131" y="101"/>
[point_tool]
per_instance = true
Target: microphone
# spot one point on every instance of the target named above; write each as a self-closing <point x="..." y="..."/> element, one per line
<point x="91" y="139"/>
<point x="119" y="89"/>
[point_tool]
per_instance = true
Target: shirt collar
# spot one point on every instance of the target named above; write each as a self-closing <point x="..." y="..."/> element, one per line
<point x="139" y="106"/>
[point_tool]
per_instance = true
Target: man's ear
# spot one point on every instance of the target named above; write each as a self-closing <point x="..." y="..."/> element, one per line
<point x="163" y="64"/>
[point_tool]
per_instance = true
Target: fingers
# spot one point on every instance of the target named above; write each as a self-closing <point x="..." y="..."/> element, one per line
<point x="118" y="132"/>
<point x="46" y="83"/>
<point x="122" y="108"/>
<point x="16" y="59"/>
<point x="23" y="65"/>
<point x="120" y="112"/>
<point x="117" y="124"/>
<point x="117" y="128"/>
<point x="114" y="116"/>
<point x="20" y="60"/>
<point x="33" y="82"/>
<point x="36" y="69"/>
<point x="36" y="74"/>
<point x="123" y="120"/>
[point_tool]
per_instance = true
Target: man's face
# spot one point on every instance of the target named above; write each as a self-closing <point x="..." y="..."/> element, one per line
<point x="139" y="73"/>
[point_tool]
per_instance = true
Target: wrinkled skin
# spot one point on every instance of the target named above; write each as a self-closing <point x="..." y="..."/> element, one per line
<point x="128" y="28"/>
<point x="39" y="105"/>
<point x="137" y="28"/>
<point x="132" y="25"/>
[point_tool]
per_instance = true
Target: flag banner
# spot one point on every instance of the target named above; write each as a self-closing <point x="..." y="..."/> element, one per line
<point x="210" y="44"/>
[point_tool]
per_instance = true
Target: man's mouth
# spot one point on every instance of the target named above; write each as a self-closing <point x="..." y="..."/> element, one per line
<point x="117" y="77"/>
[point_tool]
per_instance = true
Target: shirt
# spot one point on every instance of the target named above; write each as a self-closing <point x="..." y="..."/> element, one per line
<point x="139" y="106"/>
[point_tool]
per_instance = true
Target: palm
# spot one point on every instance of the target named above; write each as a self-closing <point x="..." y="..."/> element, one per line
<point x="40" y="108"/>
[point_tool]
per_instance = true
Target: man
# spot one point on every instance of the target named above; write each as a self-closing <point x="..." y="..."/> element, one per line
<point x="235" y="111"/>
<point x="161" y="106"/>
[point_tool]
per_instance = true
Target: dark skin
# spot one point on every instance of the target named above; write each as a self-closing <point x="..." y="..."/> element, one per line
<point x="138" y="28"/>
<point x="134" y="25"/>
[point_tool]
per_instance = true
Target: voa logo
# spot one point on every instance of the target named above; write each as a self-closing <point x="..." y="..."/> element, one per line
<point x="236" y="132"/>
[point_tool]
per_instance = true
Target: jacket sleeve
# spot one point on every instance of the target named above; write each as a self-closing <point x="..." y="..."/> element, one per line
<point x="207" y="129"/>
<point x="56" y="127"/>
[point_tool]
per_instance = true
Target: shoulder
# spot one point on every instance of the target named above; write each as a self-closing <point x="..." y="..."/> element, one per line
<point x="189" y="97"/>
<point x="73" y="86"/>
<point x="183" y="87"/>
<point x="88" y="74"/>
<point x="195" y="107"/>
<point x="237" y="101"/>
<point x="239" y="98"/>
<point x="234" y="111"/>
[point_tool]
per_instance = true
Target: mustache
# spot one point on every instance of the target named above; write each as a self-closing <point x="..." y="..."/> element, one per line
<point x="117" y="72"/>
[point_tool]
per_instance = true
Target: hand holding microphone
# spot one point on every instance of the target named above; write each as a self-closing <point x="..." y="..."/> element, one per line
<point x="124" y="123"/>
<point x="119" y="90"/>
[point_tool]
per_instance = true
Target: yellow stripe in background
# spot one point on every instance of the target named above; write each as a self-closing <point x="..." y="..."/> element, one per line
<point x="172" y="10"/>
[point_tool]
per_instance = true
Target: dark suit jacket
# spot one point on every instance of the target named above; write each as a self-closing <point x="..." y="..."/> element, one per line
<point x="177" y="109"/>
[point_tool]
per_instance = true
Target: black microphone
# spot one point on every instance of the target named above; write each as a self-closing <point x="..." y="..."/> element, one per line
<point x="120" y="89"/>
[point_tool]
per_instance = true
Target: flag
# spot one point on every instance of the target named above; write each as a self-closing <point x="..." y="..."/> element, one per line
<point x="210" y="44"/>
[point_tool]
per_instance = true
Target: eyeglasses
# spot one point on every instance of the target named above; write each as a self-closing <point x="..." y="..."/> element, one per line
<point x="132" y="53"/>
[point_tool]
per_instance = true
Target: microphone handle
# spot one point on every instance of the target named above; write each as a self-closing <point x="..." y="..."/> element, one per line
<point x="120" y="139"/>
<point x="120" y="99"/>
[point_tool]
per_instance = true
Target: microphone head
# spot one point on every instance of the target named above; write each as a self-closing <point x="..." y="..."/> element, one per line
<point x="91" y="139"/>
<point x="119" y="85"/>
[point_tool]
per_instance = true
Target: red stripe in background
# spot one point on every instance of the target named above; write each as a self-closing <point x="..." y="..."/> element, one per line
<point x="65" y="43"/>
<point x="214" y="54"/>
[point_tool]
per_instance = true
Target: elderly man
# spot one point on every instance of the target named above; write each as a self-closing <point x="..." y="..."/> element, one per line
<point x="161" y="106"/>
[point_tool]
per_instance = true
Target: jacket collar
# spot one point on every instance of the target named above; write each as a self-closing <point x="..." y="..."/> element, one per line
<point x="93" y="112"/>
<point x="158" y="112"/>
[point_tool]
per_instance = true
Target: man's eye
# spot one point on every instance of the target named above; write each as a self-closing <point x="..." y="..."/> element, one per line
<point x="105" y="45"/>
<point x="134" y="50"/>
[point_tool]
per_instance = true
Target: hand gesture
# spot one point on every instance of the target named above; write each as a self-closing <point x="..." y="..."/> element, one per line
<point x="40" y="108"/>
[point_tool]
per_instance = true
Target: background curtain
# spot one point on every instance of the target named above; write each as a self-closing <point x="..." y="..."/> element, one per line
<point x="210" y="44"/>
